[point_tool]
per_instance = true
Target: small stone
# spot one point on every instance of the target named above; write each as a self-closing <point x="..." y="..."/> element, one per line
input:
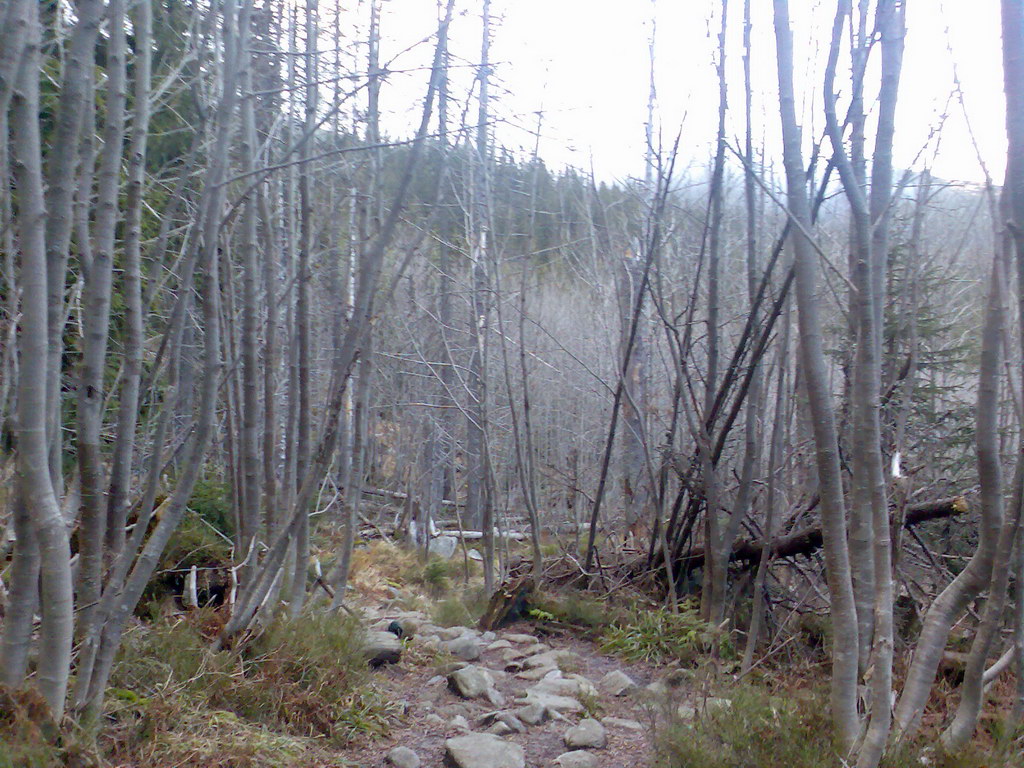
<point x="483" y="750"/>
<point x="475" y="555"/>
<point x="578" y="758"/>
<point x="553" y="702"/>
<point x="488" y="637"/>
<point x="534" y="713"/>
<point x="618" y="722"/>
<point x="443" y="547"/>
<point x="450" y="633"/>
<point x="533" y="650"/>
<point x="617" y="683"/>
<point x="381" y="647"/>
<point x="551" y="659"/>
<point x="588" y="734"/>
<point x="471" y="682"/>
<point x="559" y="686"/>
<point x="434" y="720"/>
<point x="499" y="729"/>
<point x="459" y="723"/>
<point x="512" y="722"/>
<point x="520" y="639"/>
<point x="538" y="673"/>
<point x="465" y="647"/>
<point x="585" y="686"/>
<point x="430" y="642"/>
<point x="435" y="680"/>
<point x="402" y="757"/>
<point x="499" y="645"/>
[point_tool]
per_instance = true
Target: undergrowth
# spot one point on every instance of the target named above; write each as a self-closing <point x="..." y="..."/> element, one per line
<point x="659" y="636"/>
<point x="759" y="730"/>
<point x="299" y="688"/>
<point x="462" y="609"/>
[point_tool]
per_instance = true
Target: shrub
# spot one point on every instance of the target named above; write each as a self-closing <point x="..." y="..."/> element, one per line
<point x="460" y="610"/>
<point x="211" y="501"/>
<point x="658" y="636"/>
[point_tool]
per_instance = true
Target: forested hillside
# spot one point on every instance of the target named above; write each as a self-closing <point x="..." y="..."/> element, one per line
<point x="305" y="362"/>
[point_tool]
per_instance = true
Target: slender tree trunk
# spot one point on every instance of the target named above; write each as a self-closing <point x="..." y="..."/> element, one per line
<point x="34" y="482"/>
<point x="812" y="358"/>
<point x="716" y="580"/>
<point x="128" y="398"/>
<point x="60" y="195"/>
<point x="96" y="293"/>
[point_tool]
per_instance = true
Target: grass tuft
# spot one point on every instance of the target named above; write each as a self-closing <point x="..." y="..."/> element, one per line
<point x="658" y="636"/>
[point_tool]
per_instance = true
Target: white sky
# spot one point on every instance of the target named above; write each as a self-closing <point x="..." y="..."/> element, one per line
<point x="585" y="63"/>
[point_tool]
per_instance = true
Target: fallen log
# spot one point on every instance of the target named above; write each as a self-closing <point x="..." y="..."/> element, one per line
<point x="477" y="535"/>
<point x="809" y="539"/>
<point x="400" y="496"/>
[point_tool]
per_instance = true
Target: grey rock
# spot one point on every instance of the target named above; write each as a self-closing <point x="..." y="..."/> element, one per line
<point x="578" y="758"/>
<point x="402" y="757"/>
<point x="617" y="683"/>
<point x="533" y="650"/>
<point x="559" y="686"/>
<point x="520" y="639"/>
<point x="381" y="648"/>
<point x="443" y="547"/>
<point x="434" y="720"/>
<point x="450" y="633"/>
<point x="553" y="702"/>
<point x="499" y="729"/>
<point x="475" y="555"/>
<point x="537" y="673"/>
<point x="465" y="647"/>
<point x="512" y="722"/>
<point x="618" y="722"/>
<point x="534" y="713"/>
<point x="499" y="645"/>
<point x="588" y="734"/>
<point x="471" y="682"/>
<point x="488" y="637"/>
<point x="554" y="658"/>
<point x="483" y="750"/>
<point x="459" y="723"/>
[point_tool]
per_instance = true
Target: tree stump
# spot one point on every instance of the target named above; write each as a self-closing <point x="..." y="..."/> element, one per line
<point x="508" y="603"/>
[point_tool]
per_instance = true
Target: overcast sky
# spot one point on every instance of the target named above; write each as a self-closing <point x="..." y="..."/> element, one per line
<point x="585" y="64"/>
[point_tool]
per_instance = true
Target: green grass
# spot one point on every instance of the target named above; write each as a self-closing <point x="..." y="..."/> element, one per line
<point x="794" y="730"/>
<point x="462" y="609"/>
<point x="659" y="636"/>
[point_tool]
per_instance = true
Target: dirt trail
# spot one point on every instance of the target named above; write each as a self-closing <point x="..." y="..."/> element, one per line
<point x="562" y="675"/>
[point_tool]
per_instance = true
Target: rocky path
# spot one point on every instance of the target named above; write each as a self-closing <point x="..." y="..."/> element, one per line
<point x="506" y="699"/>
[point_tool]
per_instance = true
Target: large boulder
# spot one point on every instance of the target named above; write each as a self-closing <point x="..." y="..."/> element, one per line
<point x="483" y="750"/>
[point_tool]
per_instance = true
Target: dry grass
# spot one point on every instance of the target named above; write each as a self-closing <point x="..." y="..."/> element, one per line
<point x="291" y="698"/>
